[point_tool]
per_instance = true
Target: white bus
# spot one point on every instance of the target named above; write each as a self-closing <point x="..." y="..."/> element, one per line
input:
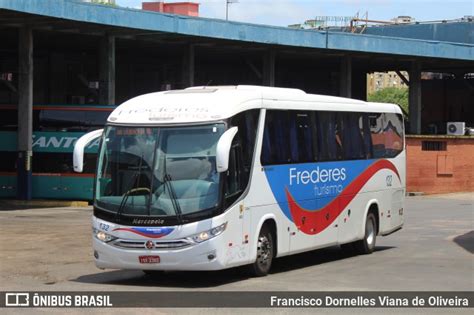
<point x="210" y="178"/>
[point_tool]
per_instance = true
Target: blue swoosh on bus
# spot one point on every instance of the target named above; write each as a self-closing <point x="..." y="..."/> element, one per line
<point x="148" y="232"/>
<point x="319" y="192"/>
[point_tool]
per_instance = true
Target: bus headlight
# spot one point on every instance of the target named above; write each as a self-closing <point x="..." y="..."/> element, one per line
<point x="206" y="235"/>
<point x="102" y="236"/>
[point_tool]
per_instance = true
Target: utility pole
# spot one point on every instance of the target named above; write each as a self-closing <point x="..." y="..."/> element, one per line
<point x="227" y="2"/>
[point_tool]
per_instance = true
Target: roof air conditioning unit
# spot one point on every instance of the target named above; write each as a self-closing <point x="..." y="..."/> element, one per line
<point x="456" y="128"/>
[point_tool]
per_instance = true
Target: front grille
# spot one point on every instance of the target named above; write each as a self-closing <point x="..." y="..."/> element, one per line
<point x="172" y="244"/>
<point x="134" y="244"/>
<point x="129" y="244"/>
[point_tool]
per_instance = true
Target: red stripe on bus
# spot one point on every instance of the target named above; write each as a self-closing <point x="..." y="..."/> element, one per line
<point x="315" y="221"/>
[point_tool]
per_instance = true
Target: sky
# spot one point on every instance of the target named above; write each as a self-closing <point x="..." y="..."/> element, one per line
<point x="286" y="12"/>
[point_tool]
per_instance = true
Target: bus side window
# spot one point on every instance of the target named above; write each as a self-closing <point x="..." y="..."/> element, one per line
<point x="393" y="134"/>
<point x="364" y="127"/>
<point x="8" y="119"/>
<point x="326" y="132"/>
<point x="241" y="154"/>
<point x="301" y="137"/>
<point x="234" y="184"/>
<point x="276" y="138"/>
<point x="8" y="161"/>
<point x="377" y="134"/>
<point x="352" y="138"/>
<point x="247" y="123"/>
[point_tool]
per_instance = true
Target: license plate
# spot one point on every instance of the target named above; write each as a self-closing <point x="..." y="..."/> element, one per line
<point x="149" y="259"/>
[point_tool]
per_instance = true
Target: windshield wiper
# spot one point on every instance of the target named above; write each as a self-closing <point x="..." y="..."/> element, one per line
<point x="174" y="199"/>
<point x="135" y="179"/>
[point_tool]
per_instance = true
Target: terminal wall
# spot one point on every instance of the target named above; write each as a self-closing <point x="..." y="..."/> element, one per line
<point x="446" y="170"/>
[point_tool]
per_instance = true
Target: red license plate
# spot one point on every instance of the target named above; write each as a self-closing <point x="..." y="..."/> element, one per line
<point x="149" y="259"/>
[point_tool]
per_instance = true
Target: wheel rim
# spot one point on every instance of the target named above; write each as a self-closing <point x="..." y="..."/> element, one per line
<point x="370" y="232"/>
<point x="264" y="252"/>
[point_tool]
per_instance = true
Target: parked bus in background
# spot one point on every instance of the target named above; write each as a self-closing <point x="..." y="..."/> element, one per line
<point x="209" y="178"/>
<point x="55" y="130"/>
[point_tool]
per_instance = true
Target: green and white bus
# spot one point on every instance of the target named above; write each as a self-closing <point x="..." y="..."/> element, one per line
<point x="55" y="130"/>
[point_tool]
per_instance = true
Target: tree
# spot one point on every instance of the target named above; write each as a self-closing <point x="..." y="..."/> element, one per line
<point x="393" y="95"/>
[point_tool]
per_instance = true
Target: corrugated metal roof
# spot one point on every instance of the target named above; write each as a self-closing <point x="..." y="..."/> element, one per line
<point x="236" y="31"/>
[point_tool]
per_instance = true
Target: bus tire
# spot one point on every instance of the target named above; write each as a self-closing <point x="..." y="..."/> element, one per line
<point x="367" y="244"/>
<point x="265" y="253"/>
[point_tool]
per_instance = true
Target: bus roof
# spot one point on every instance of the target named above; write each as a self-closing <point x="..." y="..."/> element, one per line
<point x="214" y="103"/>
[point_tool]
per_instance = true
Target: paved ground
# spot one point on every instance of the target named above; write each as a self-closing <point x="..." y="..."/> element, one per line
<point x="50" y="249"/>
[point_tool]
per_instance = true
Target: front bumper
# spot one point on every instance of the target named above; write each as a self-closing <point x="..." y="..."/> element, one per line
<point x="194" y="257"/>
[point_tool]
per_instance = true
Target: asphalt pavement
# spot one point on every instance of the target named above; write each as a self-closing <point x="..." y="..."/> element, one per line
<point x="50" y="249"/>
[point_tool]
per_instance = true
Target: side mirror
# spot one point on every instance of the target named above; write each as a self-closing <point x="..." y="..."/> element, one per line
<point x="78" y="155"/>
<point x="223" y="149"/>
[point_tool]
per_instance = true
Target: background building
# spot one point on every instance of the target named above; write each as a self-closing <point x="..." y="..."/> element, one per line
<point x="63" y="52"/>
<point x="380" y="80"/>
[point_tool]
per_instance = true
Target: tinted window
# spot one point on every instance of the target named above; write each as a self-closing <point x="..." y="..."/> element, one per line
<point x="71" y="119"/>
<point x="376" y="130"/>
<point x="8" y="119"/>
<point x="329" y="143"/>
<point x="241" y="154"/>
<point x="352" y="136"/>
<point x="393" y="134"/>
<point x="49" y="119"/>
<point x="247" y="123"/>
<point x="47" y="162"/>
<point x="300" y="137"/>
<point x="8" y="162"/>
<point x="364" y="127"/>
<point x="276" y="147"/>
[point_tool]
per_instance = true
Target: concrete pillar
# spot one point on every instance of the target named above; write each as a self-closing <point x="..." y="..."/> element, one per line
<point x="188" y="66"/>
<point x="25" y="114"/>
<point x="107" y="71"/>
<point x="359" y="85"/>
<point x="345" y="77"/>
<point x="414" y="99"/>
<point x="269" y="68"/>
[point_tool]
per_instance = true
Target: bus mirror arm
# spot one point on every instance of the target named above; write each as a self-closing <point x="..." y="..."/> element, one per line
<point x="80" y="145"/>
<point x="223" y="149"/>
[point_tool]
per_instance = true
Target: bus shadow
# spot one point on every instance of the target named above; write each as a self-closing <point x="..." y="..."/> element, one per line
<point x="466" y="241"/>
<point x="314" y="258"/>
<point x="207" y="279"/>
<point x="175" y="279"/>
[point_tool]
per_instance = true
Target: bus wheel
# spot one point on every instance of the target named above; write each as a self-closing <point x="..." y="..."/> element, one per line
<point x="265" y="253"/>
<point x="367" y="244"/>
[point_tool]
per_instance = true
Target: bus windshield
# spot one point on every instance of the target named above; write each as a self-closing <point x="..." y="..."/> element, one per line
<point x="159" y="171"/>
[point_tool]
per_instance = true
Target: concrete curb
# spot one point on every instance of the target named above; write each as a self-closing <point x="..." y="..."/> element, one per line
<point x="415" y="193"/>
<point x="42" y="203"/>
